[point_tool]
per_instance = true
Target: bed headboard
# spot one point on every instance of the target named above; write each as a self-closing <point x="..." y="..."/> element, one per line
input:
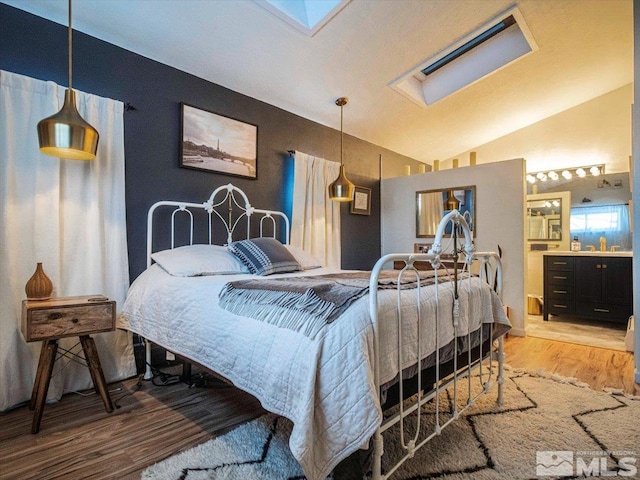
<point x="226" y="209"/>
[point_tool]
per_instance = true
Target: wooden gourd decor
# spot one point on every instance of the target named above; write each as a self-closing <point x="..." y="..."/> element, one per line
<point x="39" y="286"/>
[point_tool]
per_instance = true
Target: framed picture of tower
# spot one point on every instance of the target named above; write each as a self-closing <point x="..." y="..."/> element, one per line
<point x="218" y="144"/>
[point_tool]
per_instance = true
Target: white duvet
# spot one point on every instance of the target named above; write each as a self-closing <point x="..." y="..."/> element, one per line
<point x="325" y="386"/>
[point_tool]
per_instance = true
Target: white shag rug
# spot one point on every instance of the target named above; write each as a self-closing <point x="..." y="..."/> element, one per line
<point x="547" y="425"/>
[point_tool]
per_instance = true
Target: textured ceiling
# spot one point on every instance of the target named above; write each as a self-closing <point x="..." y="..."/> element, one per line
<point x="585" y="50"/>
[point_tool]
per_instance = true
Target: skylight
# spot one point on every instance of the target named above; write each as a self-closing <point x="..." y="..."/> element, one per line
<point x="308" y="16"/>
<point x="475" y="56"/>
<point x="471" y="44"/>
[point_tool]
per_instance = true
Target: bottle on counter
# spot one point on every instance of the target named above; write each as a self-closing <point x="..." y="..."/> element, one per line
<point x="576" y="246"/>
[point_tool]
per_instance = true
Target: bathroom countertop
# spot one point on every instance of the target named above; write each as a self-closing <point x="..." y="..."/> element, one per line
<point x="586" y="253"/>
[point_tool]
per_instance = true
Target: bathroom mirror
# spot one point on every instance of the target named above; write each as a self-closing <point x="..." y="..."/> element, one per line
<point x="544" y="219"/>
<point x="432" y="205"/>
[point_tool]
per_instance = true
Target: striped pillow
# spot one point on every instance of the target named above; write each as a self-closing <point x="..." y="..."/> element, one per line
<point x="264" y="256"/>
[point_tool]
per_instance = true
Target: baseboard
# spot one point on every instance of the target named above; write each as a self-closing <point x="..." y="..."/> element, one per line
<point x="518" y="332"/>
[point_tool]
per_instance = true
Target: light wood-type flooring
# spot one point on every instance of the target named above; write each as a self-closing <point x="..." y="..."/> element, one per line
<point x="79" y="440"/>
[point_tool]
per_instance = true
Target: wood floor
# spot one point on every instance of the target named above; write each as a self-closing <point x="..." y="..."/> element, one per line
<point x="79" y="440"/>
<point x="599" y="367"/>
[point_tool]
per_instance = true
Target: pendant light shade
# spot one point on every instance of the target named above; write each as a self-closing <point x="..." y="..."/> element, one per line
<point x="451" y="203"/>
<point x="66" y="134"/>
<point x="341" y="190"/>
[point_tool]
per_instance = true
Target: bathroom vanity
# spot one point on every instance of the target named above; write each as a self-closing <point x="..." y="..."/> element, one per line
<point x="592" y="285"/>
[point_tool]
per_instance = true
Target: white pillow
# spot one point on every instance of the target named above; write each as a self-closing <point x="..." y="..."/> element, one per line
<point x="194" y="260"/>
<point x="304" y="258"/>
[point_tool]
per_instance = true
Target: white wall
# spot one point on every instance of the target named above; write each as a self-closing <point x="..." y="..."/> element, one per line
<point x="597" y="131"/>
<point x="500" y="213"/>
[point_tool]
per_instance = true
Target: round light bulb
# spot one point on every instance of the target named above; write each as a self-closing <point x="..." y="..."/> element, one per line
<point x="595" y="171"/>
<point x="567" y="174"/>
<point x="553" y="175"/>
<point x="531" y="178"/>
<point x="580" y="172"/>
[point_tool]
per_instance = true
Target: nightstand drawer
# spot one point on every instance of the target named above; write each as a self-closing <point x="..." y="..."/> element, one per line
<point x="54" y="319"/>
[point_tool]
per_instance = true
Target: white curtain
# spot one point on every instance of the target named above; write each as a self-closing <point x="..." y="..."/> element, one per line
<point x="431" y="212"/>
<point x="537" y="227"/>
<point x="315" y="226"/>
<point x="67" y="214"/>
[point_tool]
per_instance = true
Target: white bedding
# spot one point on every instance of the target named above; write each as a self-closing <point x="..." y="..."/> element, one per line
<point x="325" y="386"/>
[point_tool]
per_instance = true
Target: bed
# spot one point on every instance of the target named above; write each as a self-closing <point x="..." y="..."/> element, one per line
<point x="331" y="372"/>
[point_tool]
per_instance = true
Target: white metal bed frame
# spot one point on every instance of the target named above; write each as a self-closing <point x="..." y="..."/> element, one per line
<point x="490" y="271"/>
<point x="228" y="195"/>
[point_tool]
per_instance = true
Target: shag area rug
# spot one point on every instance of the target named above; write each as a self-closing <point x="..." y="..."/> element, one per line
<point x="547" y="426"/>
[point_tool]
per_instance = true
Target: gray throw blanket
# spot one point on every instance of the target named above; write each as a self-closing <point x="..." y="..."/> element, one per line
<point x="306" y="304"/>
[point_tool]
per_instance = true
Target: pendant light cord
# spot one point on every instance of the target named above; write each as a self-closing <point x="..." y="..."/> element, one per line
<point x="341" y="137"/>
<point x="70" y="48"/>
<point x="341" y="102"/>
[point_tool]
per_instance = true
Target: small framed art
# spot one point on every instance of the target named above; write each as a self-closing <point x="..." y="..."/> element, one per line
<point x="421" y="247"/>
<point x="219" y="144"/>
<point x="361" y="204"/>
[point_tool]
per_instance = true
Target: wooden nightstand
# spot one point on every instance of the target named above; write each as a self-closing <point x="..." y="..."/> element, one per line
<point x="49" y="320"/>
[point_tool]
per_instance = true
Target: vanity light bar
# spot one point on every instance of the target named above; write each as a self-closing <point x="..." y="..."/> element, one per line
<point x="566" y="173"/>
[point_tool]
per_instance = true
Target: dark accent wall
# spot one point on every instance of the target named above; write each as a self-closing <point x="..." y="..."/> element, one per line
<point x="32" y="46"/>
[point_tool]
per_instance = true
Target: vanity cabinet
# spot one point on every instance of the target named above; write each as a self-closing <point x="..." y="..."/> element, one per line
<point x="589" y="286"/>
<point x="559" y="279"/>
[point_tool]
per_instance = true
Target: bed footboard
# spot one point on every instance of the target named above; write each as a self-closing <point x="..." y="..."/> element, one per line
<point x="482" y="367"/>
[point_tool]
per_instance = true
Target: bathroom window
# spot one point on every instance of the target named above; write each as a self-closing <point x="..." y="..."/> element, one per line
<point x="610" y="221"/>
<point x="600" y="218"/>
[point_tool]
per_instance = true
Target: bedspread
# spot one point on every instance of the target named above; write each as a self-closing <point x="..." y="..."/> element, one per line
<point x="324" y="385"/>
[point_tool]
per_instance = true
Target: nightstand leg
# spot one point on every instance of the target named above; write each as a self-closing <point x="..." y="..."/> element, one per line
<point x="36" y="383"/>
<point x="45" y="368"/>
<point x="91" y="356"/>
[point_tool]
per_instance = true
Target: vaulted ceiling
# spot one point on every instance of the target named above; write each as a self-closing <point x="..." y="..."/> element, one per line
<point x="585" y="51"/>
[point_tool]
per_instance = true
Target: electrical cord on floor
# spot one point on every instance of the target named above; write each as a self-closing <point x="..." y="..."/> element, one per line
<point x="163" y="379"/>
<point x="205" y="380"/>
<point x="114" y="390"/>
<point x="137" y="388"/>
<point x="198" y="380"/>
<point x="93" y="392"/>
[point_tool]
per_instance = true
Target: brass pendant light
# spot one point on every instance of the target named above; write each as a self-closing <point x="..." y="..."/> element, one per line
<point x="451" y="203"/>
<point x="66" y="134"/>
<point x="341" y="190"/>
